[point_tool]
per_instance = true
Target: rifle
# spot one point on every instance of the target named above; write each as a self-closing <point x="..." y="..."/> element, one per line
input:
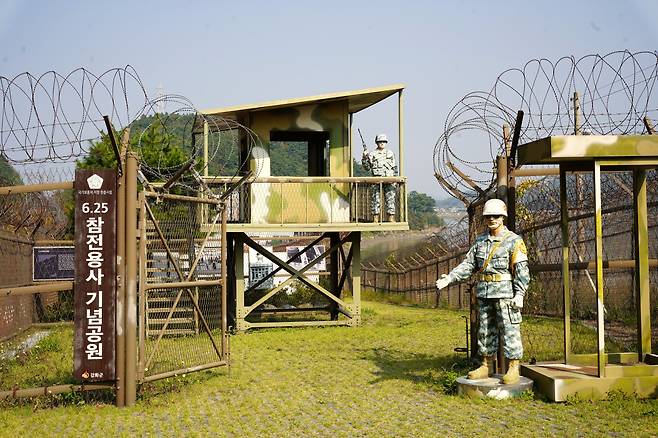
<point x="365" y="148"/>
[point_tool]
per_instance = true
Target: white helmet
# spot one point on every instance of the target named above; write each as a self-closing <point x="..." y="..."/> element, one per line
<point x="494" y="207"/>
<point x="381" y="138"/>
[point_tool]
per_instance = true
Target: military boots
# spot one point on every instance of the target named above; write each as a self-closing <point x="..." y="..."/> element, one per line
<point x="512" y="375"/>
<point x="375" y="218"/>
<point x="485" y="370"/>
<point x="391" y="218"/>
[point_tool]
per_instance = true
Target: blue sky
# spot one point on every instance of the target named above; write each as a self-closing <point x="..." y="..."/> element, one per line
<point x="227" y="53"/>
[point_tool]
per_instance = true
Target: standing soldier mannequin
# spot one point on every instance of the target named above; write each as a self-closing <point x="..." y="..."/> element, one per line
<point x="381" y="162"/>
<point x="499" y="261"/>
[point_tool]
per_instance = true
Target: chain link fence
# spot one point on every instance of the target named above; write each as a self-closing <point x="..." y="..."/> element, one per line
<point x="180" y="299"/>
<point x="40" y="219"/>
<point x="410" y="276"/>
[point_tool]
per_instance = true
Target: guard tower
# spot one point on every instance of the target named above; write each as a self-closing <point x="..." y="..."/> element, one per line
<point x="321" y="210"/>
<point x="593" y="375"/>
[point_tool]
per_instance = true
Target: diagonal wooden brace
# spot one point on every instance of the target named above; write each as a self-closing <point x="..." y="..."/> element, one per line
<point x="299" y="274"/>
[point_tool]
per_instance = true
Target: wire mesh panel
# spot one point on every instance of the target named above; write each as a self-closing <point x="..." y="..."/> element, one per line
<point x="180" y="297"/>
<point x="371" y="198"/>
<point x="26" y="219"/>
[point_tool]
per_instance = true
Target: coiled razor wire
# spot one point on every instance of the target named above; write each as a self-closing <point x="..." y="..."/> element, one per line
<point x="51" y="121"/>
<point x="617" y="91"/>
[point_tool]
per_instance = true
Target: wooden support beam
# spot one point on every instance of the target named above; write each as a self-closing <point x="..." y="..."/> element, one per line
<point x="294" y="273"/>
<point x="465" y="177"/>
<point x="535" y="171"/>
<point x="451" y="189"/>
<point x="515" y="138"/>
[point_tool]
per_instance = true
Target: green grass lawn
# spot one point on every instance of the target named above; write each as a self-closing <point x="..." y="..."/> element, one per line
<point x="393" y="376"/>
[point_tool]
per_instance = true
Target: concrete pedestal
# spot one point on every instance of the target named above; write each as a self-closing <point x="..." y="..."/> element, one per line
<point x="492" y="387"/>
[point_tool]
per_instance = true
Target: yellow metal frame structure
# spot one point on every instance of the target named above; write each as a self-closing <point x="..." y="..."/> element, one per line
<point x="593" y="375"/>
<point x="342" y="264"/>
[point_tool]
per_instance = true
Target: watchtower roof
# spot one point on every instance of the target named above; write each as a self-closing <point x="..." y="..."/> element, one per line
<point x="357" y="100"/>
<point x="588" y="148"/>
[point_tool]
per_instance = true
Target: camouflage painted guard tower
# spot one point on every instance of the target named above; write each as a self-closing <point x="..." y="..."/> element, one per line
<point x="297" y="209"/>
<point x="599" y="157"/>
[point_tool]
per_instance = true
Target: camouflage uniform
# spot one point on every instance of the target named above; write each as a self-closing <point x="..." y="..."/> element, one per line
<point x="382" y="163"/>
<point x="495" y="287"/>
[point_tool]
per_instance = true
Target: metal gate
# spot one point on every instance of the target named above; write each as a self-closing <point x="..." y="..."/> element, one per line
<point x="181" y="294"/>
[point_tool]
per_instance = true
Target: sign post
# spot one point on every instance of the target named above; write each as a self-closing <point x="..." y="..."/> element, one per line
<point x="95" y="275"/>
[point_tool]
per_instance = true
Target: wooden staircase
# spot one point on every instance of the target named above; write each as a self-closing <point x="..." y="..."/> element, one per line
<point x="183" y="321"/>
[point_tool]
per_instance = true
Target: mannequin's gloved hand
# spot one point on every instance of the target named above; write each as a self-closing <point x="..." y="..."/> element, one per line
<point x="442" y="282"/>
<point x="517" y="301"/>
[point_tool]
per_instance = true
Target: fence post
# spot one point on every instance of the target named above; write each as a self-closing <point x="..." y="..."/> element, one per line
<point x="438" y="274"/>
<point x="503" y="191"/>
<point x="224" y="296"/>
<point x="426" y="288"/>
<point x="121" y="293"/>
<point x="131" y="280"/>
<point x="141" y="326"/>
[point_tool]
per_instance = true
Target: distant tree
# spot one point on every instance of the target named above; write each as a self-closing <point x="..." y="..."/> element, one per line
<point x="157" y="146"/>
<point x="289" y="158"/>
<point x="420" y="202"/>
<point x="421" y="211"/>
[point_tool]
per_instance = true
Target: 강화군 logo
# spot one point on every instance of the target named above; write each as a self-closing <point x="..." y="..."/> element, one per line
<point x="95" y="182"/>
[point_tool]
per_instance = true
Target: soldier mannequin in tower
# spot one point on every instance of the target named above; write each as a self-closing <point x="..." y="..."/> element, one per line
<point x="499" y="261"/>
<point x="381" y="162"/>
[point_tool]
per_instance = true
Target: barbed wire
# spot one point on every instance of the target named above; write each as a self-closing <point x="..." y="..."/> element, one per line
<point x="50" y="123"/>
<point x="616" y="91"/>
<point x="55" y="118"/>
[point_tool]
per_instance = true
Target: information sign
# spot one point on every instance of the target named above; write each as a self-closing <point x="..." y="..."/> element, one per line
<point x="95" y="275"/>
<point x="53" y="263"/>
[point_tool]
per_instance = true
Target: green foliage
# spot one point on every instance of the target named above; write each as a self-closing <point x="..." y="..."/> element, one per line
<point x="49" y="344"/>
<point x="421" y="211"/>
<point x="421" y="221"/>
<point x="224" y="150"/>
<point x="297" y="295"/>
<point x="48" y="363"/>
<point x="62" y="310"/>
<point x="100" y="156"/>
<point x="8" y="175"/>
<point x="289" y="158"/>
<point x="398" y="299"/>
<point x="448" y="381"/>
<point x="420" y="202"/>
<point x="159" y="146"/>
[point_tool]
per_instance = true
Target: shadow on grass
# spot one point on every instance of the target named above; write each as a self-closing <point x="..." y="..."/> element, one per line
<point x="431" y="370"/>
